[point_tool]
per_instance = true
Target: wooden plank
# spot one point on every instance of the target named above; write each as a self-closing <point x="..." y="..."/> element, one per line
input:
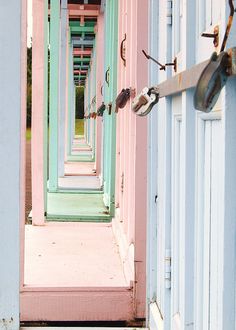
<point x="182" y="81"/>
<point x="152" y="172"/>
<point x="73" y="306"/>
<point x="77" y="328"/>
<point x="80" y="29"/>
<point x="11" y="58"/>
<point x="187" y="79"/>
<point x="62" y="87"/>
<point x="229" y="238"/>
<point x="54" y="94"/>
<point x="38" y="113"/>
<point x="76" y="13"/>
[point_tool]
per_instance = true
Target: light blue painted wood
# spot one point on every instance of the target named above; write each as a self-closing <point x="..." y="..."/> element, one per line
<point x="63" y="87"/>
<point x="229" y="236"/>
<point x="152" y="199"/>
<point x="187" y="204"/>
<point x="46" y="137"/>
<point x="163" y="173"/>
<point x="10" y="148"/>
<point x="54" y="94"/>
<point x="187" y="211"/>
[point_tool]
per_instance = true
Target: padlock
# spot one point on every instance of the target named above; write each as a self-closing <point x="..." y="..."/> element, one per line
<point x="144" y="102"/>
<point x="101" y="109"/>
<point x="94" y="115"/>
<point x="122" y="98"/>
<point x="211" y="82"/>
<point x="109" y="108"/>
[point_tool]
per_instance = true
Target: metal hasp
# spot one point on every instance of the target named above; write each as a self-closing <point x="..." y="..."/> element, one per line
<point x="122" y="98"/>
<point x="145" y="101"/>
<point x="109" y="108"/>
<point x="211" y="82"/>
<point x="162" y="66"/>
<point x="214" y="35"/>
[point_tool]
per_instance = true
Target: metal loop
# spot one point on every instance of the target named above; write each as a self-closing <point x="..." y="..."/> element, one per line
<point x="122" y="50"/>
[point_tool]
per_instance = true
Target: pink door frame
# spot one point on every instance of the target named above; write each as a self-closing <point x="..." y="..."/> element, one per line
<point x="131" y="164"/>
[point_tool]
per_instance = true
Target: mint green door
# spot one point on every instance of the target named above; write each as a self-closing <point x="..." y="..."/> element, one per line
<point x="110" y="93"/>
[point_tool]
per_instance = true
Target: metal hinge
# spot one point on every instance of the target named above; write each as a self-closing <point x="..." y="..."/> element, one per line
<point x="169" y="11"/>
<point x="122" y="183"/>
<point x="168" y="269"/>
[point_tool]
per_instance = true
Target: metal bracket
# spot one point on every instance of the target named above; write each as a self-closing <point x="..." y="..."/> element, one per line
<point x="123" y="50"/>
<point x="214" y="35"/>
<point x="107" y="76"/>
<point x="109" y="108"/>
<point x="162" y="66"/>
<point x="168" y="269"/>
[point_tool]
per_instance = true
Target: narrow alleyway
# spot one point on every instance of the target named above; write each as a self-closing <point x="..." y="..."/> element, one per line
<point x="130" y="222"/>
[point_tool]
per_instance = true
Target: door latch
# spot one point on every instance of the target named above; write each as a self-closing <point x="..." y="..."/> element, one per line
<point x="211" y="82"/>
<point x="109" y="108"/>
<point x="145" y="101"/>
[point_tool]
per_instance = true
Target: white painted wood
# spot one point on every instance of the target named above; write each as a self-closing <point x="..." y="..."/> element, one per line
<point x="209" y="223"/>
<point x="206" y="231"/>
<point x="202" y="180"/>
<point x="77" y="328"/>
<point x="38" y="113"/>
<point x="105" y="304"/>
<point x="216" y="221"/>
<point x="152" y="166"/>
<point x="228" y="261"/>
<point x="10" y="168"/>
<point x="208" y="15"/>
<point x="177" y="157"/>
<point x="156" y="319"/>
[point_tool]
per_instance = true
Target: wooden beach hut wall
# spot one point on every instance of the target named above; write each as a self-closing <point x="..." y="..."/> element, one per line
<point x="191" y="180"/>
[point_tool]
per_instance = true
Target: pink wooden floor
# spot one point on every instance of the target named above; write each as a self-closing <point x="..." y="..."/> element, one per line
<point x="73" y="272"/>
<point x="82" y="168"/>
<point x="72" y="255"/>
<point x="79" y="182"/>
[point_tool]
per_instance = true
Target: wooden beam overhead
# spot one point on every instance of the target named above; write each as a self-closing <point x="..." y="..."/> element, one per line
<point x="83" y="7"/>
<point x="77" y="13"/>
<point x="80" y="52"/>
<point x="80" y="72"/>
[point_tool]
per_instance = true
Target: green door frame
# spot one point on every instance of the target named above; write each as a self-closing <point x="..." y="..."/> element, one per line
<point x="110" y="93"/>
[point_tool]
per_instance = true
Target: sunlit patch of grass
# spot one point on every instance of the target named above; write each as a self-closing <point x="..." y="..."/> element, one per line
<point x="28" y="134"/>
<point x="79" y="127"/>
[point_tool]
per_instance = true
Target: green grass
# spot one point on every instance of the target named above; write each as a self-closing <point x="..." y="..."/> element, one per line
<point x="28" y="134"/>
<point x="79" y="127"/>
